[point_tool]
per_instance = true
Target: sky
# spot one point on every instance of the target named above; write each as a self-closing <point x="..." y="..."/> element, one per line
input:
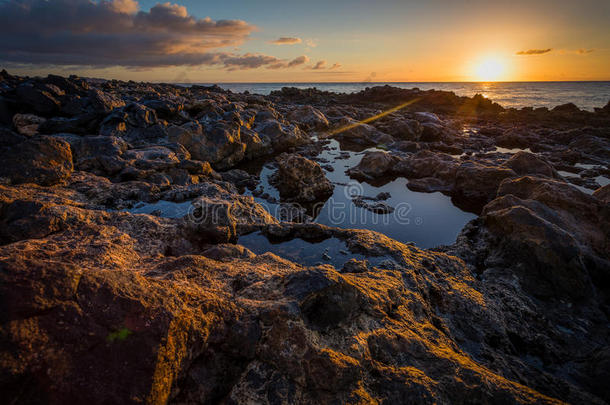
<point x="308" y="41"/>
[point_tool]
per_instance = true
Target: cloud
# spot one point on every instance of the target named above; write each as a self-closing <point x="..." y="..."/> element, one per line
<point x="320" y="65"/>
<point x="299" y="60"/>
<point x="584" y="51"/>
<point x="117" y="33"/>
<point x="535" y="51"/>
<point x="335" y="66"/>
<point x="286" y="41"/>
<point x="247" y="61"/>
<point x="311" y="43"/>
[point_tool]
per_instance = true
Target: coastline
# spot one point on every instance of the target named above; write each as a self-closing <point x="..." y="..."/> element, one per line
<point x="101" y="304"/>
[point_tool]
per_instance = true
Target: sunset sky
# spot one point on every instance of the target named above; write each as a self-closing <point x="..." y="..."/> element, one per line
<point x="308" y="41"/>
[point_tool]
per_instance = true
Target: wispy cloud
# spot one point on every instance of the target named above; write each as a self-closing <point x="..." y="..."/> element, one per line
<point x="535" y="51"/>
<point x="311" y="43"/>
<point x="335" y="66"/>
<point x="286" y="41"/>
<point x="584" y="51"/>
<point x="118" y="33"/>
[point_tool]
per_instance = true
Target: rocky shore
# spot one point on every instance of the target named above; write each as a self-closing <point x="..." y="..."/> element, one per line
<point x="100" y="304"/>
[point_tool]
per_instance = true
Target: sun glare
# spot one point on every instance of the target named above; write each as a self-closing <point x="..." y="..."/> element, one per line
<point x="489" y="70"/>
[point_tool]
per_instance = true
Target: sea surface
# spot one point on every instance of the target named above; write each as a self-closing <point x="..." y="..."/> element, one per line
<point x="585" y="95"/>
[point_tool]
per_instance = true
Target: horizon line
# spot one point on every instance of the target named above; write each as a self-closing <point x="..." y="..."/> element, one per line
<point x="384" y="82"/>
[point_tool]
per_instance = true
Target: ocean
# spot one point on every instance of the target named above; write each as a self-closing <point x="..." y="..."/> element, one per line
<point x="585" y="95"/>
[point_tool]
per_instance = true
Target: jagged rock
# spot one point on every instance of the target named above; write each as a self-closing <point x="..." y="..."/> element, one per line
<point x="431" y="132"/>
<point x="308" y="117"/>
<point x="355" y="266"/>
<point x="27" y="124"/>
<point x="353" y="131"/>
<point x="135" y="123"/>
<point x="42" y="160"/>
<point x="301" y="180"/>
<point x="423" y="116"/>
<point x="477" y="184"/>
<point x="373" y="165"/>
<point x="218" y="218"/>
<point x="281" y="136"/>
<point x="524" y="163"/>
<point x="97" y="154"/>
<point x="41" y="99"/>
<point x="428" y="171"/>
<point x="377" y="207"/>
<point x="93" y="102"/>
<point x="165" y="109"/>
<point x="256" y="146"/>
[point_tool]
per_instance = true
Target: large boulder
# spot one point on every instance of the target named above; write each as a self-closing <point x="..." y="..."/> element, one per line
<point x="308" y="117"/>
<point x="301" y="180"/>
<point x="222" y="146"/>
<point x="402" y="128"/>
<point x="546" y="256"/>
<point x="97" y="154"/>
<point x="476" y="184"/>
<point x="256" y="146"/>
<point x="374" y="165"/>
<point x="166" y="109"/>
<point x="282" y="136"/>
<point x="93" y="101"/>
<point x="350" y="130"/>
<point x="555" y="231"/>
<point x="42" y="99"/>
<point x="135" y="123"/>
<point x="525" y="163"/>
<point x="217" y="216"/>
<point x="42" y="160"/>
<point x="428" y="171"/>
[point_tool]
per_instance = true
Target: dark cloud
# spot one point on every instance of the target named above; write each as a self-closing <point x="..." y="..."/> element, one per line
<point x="286" y="41"/>
<point x="584" y="51"/>
<point x="247" y="61"/>
<point x="299" y="60"/>
<point x="117" y="33"/>
<point x="535" y="51"/>
<point x="320" y="65"/>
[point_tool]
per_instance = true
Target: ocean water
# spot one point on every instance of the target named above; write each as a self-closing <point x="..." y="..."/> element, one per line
<point x="585" y="95"/>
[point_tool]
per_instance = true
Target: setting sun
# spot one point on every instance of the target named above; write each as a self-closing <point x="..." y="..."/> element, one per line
<point x="490" y="70"/>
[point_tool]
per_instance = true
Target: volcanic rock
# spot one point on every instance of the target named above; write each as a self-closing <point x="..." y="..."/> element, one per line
<point x="301" y="180"/>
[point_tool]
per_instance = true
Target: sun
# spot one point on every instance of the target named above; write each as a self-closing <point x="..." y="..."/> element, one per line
<point x="489" y="70"/>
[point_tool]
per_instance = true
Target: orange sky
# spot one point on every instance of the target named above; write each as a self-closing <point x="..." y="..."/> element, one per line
<point x="439" y="40"/>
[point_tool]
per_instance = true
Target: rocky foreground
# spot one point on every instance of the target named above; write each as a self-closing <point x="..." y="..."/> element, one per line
<point x="102" y="306"/>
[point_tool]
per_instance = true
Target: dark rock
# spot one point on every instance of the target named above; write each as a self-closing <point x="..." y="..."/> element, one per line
<point x="524" y="163"/>
<point x="299" y="179"/>
<point x="308" y="117"/>
<point x="477" y="184"/>
<point x="27" y="124"/>
<point x="374" y="165"/>
<point x="355" y="266"/>
<point x="40" y="99"/>
<point x="42" y="160"/>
